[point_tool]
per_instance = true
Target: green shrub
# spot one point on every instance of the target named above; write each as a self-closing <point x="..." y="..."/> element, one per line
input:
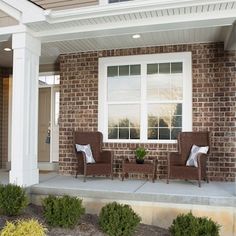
<point x="24" y="228"/>
<point x="187" y="224"/>
<point x="13" y="199"/>
<point x="118" y="220"/>
<point x="62" y="211"/>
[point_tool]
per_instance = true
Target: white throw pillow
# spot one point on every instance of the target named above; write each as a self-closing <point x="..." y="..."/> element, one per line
<point x="87" y="151"/>
<point x="192" y="160"/>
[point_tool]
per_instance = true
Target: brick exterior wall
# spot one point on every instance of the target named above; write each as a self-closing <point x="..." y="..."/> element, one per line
<point x="214" y="106"/>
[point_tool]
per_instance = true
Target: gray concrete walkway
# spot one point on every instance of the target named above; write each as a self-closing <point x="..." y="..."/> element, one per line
<point x="181" y="192"/>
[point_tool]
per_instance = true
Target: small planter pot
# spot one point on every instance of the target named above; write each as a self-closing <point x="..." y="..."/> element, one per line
<point x="138" y="161"/>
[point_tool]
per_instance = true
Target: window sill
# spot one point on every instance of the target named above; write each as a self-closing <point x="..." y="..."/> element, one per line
<point x="141" y="141"/>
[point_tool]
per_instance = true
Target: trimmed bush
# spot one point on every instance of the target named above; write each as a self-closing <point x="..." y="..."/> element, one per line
<point x="13" y="199"/>
<point x="24" y="228"/>
<point x="63" y="211"/>
<point x="118" y="220"/>
<point x="187" y="224"/>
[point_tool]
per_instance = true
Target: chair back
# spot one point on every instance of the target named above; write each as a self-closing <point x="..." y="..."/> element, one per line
<point x="92" y="138"/>
<point x="187" y="139"/>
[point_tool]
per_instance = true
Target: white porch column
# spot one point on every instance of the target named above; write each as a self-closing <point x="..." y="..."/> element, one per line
<point x="24" y="145"/>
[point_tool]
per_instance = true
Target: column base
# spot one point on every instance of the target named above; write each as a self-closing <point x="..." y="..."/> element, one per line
<point x="24" y="178"/>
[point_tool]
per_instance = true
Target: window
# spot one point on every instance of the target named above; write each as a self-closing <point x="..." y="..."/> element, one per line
<point x="114" y="1"/>
<point x="145" y="98"/>
<point x="45" y="80"/>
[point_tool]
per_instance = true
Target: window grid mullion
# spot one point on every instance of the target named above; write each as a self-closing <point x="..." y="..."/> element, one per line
<point x="143" y="105"/>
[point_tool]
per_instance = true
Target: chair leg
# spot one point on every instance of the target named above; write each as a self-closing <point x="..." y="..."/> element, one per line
<point x="199" y="183"/>
<point x="123" y="176"/>
<point x="84" y="178"/>
<point x="111" y="175"/>
<point x="207" y="180"/>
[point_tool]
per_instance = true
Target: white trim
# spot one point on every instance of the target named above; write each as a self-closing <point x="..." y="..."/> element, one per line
<point x="9" y="117"/>
<point x="53" y="88"/>
<point x="22" y="10"/>
<point x="185" y="57"/>
<point x="56" y="16"/>
<point x="11" y="11"/>
<point x="230" y="40"/>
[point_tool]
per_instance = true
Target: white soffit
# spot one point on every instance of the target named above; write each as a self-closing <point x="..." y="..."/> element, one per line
<point x="51" y="50"/>
<point x="101" y="23"/>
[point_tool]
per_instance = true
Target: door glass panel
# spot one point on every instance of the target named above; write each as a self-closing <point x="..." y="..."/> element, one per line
<point x="57" y="105"/>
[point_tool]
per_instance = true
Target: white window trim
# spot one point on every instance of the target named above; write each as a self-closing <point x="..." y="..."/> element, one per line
<point x="185" y="57"/>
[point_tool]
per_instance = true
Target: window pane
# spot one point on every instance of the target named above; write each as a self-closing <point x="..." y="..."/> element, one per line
<point x="123" y="70"/>
<point x="113" y="133"/>
<point x="50" y="79"/>
<point x="112" y="71"/>
<point x="134" y="133"/>
<point x="152" y="69"/>
<point x="176" y="67"/>
<point x="153" y="133"/>
<point x="114" y="1"/>
<point x="177" y="87"/>
<point x="135" y="70"/>
<point x="161" y="118"/>
<point x="124" y="119"/>
<point x="123" y="133"/>
<point x="164" y="133"/>
<point x="164" y="68"/>
<point x="57" y="79"/>
<point x="159" y="88"/>
<point x="42" y="79"/>
<point x="124" y="89"/>
<point x="176" y="121"/>
<point x="174" y="133"/>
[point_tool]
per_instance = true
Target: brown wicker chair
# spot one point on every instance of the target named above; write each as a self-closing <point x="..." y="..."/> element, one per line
<point x="177" y="168"/>
<point x="104" y="159"/>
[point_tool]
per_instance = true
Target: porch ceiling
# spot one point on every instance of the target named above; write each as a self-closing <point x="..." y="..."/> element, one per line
<point x="51" y="50"/>
<point x="111" y="26"/>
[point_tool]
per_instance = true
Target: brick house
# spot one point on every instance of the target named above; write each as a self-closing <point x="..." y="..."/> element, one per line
<point x="138" y="71"/>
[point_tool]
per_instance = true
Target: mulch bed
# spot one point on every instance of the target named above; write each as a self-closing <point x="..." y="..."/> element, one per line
<point x="88" y="225"/>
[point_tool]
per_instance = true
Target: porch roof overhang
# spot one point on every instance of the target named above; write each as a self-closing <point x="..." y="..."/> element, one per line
<point x="111" y="26"/>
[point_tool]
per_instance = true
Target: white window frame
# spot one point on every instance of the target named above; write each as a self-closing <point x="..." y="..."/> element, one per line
<point x="184" y="57"/>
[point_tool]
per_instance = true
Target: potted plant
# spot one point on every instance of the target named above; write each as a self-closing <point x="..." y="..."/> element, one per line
<point x="140" y="154"/>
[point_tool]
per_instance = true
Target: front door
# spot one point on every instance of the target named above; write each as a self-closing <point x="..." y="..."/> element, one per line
<point x="44" y="124"/>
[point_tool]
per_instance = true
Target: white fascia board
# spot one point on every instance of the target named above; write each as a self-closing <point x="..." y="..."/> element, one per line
<point x="11" y="11"/>
<point x="28" y="11"/>
<point x="54" y="16"/>
<point x="143" y="26"/>
<point x="13" y="29"/>
<point x="230" y="39"/>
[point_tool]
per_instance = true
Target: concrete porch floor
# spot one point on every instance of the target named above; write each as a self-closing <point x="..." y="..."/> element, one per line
<point x="180" y="192"/>
<point x="157" y="203"/>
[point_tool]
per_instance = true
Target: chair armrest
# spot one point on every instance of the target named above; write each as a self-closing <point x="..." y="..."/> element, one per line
<point x="83" y="155"/>
<point x="107" y="156"/>
<point x="174" y="158"/>
<point x="202" y="160"/>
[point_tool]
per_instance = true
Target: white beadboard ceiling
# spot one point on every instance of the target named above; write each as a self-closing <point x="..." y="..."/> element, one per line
<point x="157" y="14"/>
<point x="107" y="27"/>
<point x="53" y="49"/>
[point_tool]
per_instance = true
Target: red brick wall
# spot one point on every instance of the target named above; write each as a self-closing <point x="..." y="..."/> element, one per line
<point x="214" y="105"/>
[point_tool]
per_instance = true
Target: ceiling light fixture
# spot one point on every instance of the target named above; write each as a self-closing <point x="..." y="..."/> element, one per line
<point x="136" y="36"/>
<point x="7" y="49"/>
